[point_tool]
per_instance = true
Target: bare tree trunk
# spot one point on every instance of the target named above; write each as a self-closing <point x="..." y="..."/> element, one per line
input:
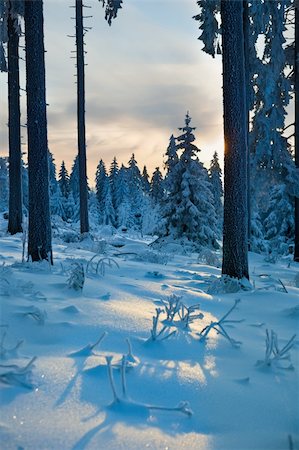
<point x="296" y="252"/>
<point x="81" y="119"/>
<point x="235" y="245"/>
<point x="246" y="25"/>
<point x="39" y="231"/>
<point x="14" y="133"/>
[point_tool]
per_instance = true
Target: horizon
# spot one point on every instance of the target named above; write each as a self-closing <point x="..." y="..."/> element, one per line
<point x="144" y="87"/>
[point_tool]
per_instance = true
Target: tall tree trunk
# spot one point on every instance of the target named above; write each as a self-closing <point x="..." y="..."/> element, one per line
<point x="296" y="252"/>
<point x="235" y="246"/>
<point x="84" y="225"/>
<point x="14" y="133"/>
<point x="39" y="231"/>
<point x="246" y="28"/>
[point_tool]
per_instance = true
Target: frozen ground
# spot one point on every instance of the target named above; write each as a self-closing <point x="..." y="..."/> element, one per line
<point x="63" y="400"/>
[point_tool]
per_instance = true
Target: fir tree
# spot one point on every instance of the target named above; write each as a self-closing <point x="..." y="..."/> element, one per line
<point x="215" y="173"/>
<point x="3" y="184"/>
<point x="188" y="209"/>
<point x="113" y="174"/>
<point x="39" y="226"/>
<point x="64" y="181"/>
<point x="123" y="207"/>
<point x="156" y="186"/>
<point x="135" y="193"/>
<point x="100" y="181"/>
<point x="145" y="181"/>
<point x="279" y="222"/>
<point x="235" y="223"/>
<point x="74" y="180"/>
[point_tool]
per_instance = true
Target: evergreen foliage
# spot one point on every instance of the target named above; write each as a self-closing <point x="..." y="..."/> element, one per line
<point x="156" y="186"/>
<point x="188" y="209"/>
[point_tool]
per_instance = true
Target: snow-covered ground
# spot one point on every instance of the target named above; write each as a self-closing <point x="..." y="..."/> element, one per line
<point x="64" y="399"/>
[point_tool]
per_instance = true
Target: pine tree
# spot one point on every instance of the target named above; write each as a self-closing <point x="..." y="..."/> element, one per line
<point x="15" y="10"/>
<point x="64" y="181"/>
<point x="101" y="179"/>
<point x="135" y="192"/>
<point x="74" y="202"/>
<point x="172" y="156"/>
<point x="74" y="179"/>
<point x="279" y="222"/>
<point x="296" y="84"/>
<point x="56" y="207"/>
<point x="3" y="184"/>
<point x="145" y="181"/>
<point x="235" y="238"/>
<point x="188" y="209"/>
<point x="83" y="189"/>
<point x="113" y="174"/>
<point x="156" y="186"/>
<point x="39" y="227"/>
<point x="123" y="207"/>
<point x="215" y="174"/>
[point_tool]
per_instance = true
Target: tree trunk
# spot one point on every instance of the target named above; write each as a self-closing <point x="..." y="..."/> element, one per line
<point x="14" y="134"/>
<point x="84" y="225"/>
<point x="246" y="26"/>
<point x="296" y="252"/>
<point x="39" y="231"/>
<point x="235" y="245"/>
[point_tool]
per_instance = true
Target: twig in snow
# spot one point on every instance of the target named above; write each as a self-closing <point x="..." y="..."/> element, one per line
<point x="219" y="326"/>
<point x="272" y="353"/>
<point x="284" y="288"/>
<point x="111" y="379"/>
<point x="182" y="407"/>
<point x="16" y="375"/>
<point x="163" y="333"/>
<point x="88" y="349"/>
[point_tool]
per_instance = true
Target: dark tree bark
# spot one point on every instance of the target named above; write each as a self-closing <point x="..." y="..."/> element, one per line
<point x="246" y="26"/>
<point x="39" y="231"/>
<point x="14" y="134"/>
<point x="235" y="245"/>
<point x="296" y="252"/>
<point x="84" y="225"/>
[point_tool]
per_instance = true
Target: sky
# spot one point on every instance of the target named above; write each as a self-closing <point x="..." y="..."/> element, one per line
<point x="143" y="74"/>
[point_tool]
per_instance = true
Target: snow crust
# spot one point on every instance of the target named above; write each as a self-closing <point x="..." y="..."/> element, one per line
<point x="63" y="400"/>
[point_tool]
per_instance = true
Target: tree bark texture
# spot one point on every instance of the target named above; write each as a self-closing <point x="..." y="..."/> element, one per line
<point x="14" y="130"/>
<point x="83" y="190"/>
<point x="296" y="251"/>
<point x="235" y="240"/>
<point x="39" y="227"/>
<point x="246" y="26"/>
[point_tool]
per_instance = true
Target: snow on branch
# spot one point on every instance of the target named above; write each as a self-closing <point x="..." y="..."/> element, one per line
<point x="273" y="354"/>
<point x="124" y="400"/>
<point x="219" y="326"/>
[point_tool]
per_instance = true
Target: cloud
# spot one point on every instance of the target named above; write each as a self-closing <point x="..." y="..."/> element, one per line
<point x="143" y="74"/>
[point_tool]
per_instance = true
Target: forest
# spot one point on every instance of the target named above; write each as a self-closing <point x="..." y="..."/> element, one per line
<point x="137" y="280"/>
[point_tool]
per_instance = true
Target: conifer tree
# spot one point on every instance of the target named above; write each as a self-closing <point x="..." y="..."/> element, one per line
<point x="113" y="174"/>
<point x="156" y="186"/>
<point x="235" y="238"/>
<point x="74" y="179"/>
<point x="215" y="173"/>
<point x="135" y="192"/>
<point x="39" y="226"/>
<point x="188" y="209"/>
<point x="123" y="207"/>
<point x="101" y="179"/>
<point x="64" y="181"/>
<point x="14" y="11"/>
<point x="145" y="181"/>
<point x="296" y="85"/>
<point x="3" y="184"/>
